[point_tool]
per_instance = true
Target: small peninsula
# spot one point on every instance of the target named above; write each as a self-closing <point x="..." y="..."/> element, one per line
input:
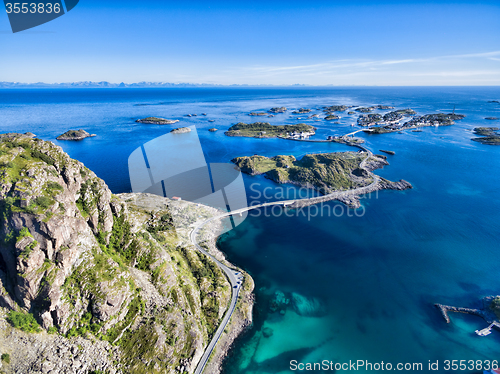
<point x="157" y="121"/>
<point x="75" y="135"/>
<point x="341" y="176"/>
<point x="266" y="130"/>
<point x="365" y="109"/>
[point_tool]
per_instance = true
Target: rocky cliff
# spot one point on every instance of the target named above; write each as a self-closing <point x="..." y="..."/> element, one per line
<point x="91" y="266"/>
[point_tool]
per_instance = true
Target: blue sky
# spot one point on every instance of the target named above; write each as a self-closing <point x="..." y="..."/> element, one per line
<point x="261" y="42"/>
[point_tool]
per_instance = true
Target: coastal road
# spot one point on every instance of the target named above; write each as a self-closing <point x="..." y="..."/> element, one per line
<point x="235" y="277"/>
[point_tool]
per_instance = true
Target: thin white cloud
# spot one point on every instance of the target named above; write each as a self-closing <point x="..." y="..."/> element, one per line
<point x="454" y="67"/>
<point x="336" y="64"/>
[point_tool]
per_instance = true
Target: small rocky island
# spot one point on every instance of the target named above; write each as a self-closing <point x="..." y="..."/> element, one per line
<point x="336" y="108"/>
<point x="301" y="111"/>
<point x="277" y="110"/>
<point x="213" y="129"/>
<point x="157" y="121"/>
<point x="392" y="153"/>
<point x="257" y="114"/>
<point x="75" y="135"/>
<point x="180" y="130"/>
<point x="339" y="176"/>
<point x="332" y="117"/>
<point x="266" y="130"/>
<point x="489" y="135"/>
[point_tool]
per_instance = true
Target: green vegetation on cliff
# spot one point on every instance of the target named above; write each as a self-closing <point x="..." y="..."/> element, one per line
<point x="332" y="117"/>
<point x="78" y="261"/>
<point x="336" y="108"/>
<point x="23" y="321"/>
<point x="266" y="130"/>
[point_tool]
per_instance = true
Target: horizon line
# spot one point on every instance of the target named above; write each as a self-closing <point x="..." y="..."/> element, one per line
<point x="146" y="84"/>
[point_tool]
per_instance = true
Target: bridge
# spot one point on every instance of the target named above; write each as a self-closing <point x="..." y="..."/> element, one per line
<point x="355" y="132"/>
<point x="235" y="277"/>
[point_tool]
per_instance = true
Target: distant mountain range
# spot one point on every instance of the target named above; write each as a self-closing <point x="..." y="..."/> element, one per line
<point x="88" y="84"/>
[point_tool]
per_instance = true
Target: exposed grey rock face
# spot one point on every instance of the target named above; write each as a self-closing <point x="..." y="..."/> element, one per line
<point x="100" y="269"/>
<point x="53" y="211"/>
<point x="55" y="354"/>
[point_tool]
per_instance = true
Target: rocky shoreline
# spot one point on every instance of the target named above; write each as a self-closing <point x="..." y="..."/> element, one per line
<point x="342" y="176"/>
<point x="266" y="130"/>
<point x="242" y="317"/>
<point x="351" y="198"/>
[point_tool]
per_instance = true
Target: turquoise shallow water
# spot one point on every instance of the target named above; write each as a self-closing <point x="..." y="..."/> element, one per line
<point x="377" y="274"/>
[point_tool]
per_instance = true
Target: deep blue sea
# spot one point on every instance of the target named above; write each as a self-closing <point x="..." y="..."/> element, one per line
<point x="378" y="272"/>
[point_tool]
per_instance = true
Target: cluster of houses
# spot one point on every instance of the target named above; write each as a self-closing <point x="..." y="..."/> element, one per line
<point x="299" y="135"/>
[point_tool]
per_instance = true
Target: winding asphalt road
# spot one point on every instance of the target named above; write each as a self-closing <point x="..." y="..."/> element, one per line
<point x="235" y="277"/>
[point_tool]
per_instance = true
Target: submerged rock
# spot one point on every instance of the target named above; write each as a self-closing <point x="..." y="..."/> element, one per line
<point x="267" y="332"/>
<point x="278" y="302"/>
<point x="308" y="306"/>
